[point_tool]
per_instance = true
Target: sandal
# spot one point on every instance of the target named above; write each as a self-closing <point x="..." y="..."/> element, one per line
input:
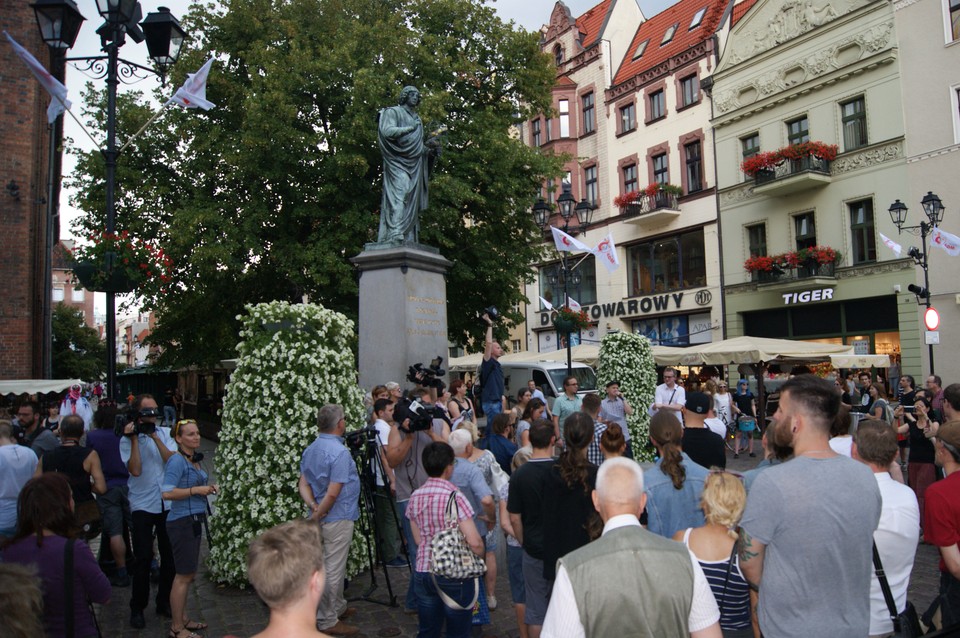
<point x="179" y="633"/>
<point x="193" y="625"/>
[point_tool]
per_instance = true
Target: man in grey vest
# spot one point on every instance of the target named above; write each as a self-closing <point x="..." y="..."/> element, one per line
<point x="629" y="581"/>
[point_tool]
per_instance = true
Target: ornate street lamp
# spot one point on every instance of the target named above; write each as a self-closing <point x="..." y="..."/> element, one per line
<point x="933" y="209"/>
<point x="59" y="22"/>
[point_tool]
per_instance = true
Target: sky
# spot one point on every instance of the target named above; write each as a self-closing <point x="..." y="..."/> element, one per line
<point x="532" y="14"/>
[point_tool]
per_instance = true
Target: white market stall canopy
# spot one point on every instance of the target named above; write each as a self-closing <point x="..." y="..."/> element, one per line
<point x="36" y="386"/>
<point x="759" y="349"/>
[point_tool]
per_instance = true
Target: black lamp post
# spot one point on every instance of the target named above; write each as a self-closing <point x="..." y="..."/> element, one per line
<point x="59" y="22"/>
<point x="569" y="210"/>
<point x="933" y="209"/>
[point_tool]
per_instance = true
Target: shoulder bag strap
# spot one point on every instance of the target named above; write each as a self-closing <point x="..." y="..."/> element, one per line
<point x="452" y="514"/>
<point x="726" y="579"/>
<point x="885" y="587"/>
<point x="68" y="610"/>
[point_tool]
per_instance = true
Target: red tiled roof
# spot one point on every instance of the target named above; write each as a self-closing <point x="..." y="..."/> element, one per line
<point x="62" y="259"/>
<point x="654" y="29"/>
<point x="591" y="21"/>
<point x="740" y="9"/>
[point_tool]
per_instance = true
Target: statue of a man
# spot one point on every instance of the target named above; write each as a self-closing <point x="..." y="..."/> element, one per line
<point x="408" y="160"/>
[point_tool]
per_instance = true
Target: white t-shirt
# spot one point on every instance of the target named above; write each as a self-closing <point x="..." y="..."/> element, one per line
<point x="383" y="434"/>
<point x="716" y="426"/>
<point x="896" y="538"/>
<point x="563" y="617"/>
<point x="842" y="445"/>
<point x="17" y="465"/>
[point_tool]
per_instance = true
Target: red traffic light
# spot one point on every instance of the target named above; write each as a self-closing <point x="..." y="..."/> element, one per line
<point x="931" y="319"/>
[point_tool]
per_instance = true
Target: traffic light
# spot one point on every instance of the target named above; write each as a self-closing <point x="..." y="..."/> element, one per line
<point x="919" y="291"/>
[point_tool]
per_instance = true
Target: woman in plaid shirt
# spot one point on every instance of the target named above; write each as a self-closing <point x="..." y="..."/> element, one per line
<point x="426" y="510"/>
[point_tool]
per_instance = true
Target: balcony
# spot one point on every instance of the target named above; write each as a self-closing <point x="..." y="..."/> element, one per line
<point x="652" y="210"/>
<point x="803" y="276"/>
<point x="793" y="176"/>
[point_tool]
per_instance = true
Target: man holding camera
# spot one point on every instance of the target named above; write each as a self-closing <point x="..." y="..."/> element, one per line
<point x="144" y="449"/>
<point x="491" y="374"/>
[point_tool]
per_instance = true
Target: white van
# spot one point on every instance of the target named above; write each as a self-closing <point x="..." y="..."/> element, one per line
<point x="548" y="375"/>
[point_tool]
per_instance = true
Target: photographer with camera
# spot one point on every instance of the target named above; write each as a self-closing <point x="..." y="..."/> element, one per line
<point x="416" y="425"/>
<point x="492" y="400"/>
<point x="144" y="449"/>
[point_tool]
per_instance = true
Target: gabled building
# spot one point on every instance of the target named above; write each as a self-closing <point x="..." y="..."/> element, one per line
<point x="810" y="147"/>
<point x="630" y="112"/>
<point x="65" y="287"/>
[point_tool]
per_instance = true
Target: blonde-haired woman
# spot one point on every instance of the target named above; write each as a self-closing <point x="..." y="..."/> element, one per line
<point x="715" y="545"/>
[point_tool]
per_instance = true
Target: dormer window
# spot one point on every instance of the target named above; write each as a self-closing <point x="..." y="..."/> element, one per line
<point x="697" y="18"/>
<point x="669" y="34"/>
<point x="558" y="54"/>
<point x="640" y="49"/>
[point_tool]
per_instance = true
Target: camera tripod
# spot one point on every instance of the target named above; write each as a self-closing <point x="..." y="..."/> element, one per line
<point x="369" y="465"/>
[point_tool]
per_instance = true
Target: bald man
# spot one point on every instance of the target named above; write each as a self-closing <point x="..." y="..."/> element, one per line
<point x="629" y="581"/>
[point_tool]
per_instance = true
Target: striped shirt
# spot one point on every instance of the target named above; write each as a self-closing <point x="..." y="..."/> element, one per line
<point x="734" y="604"/>
<point x="427" y="507"/>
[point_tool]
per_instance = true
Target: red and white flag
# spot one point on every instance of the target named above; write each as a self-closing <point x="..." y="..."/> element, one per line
<point x="606" y="252"/>
<point x="565" y="242"/>
<point x="546" y="304"/>
<point x="892" y="245"/>
<point x="54" y="87"/>
<point x="948" y="242"/>
<point x="193" y="93"/>
<point x="572" y="304"/>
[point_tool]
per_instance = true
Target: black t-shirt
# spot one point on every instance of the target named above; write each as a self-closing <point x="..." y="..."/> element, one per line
<point x="526" y="498"/>
<point x="491" y="381"/>
<point x="704" y="447"/>
<point x="566" y="513"/>
<point x="744" y="403"/>
<point x="921" y="448"/>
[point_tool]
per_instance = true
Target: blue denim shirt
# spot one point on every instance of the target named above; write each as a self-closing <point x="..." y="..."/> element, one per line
<point x="670" y="510"/>
<point x="327" y="461"/>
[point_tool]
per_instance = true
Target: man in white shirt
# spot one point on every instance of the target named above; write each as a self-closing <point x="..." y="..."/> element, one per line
<point x="670" y="395"/>
<point x="385" y="501"/>
<point x="654" y="602"/>
<point x="537" y="393"/>
<point x="875" y="444"/>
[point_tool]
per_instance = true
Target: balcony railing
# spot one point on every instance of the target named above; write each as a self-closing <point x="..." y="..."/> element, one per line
<point x="652" y="208"/>
<point x="801" y="272"/>
<point x="792" y="176"/>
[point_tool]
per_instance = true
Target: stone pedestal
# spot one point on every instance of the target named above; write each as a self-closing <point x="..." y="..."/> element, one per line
<point x="403" y="311"/>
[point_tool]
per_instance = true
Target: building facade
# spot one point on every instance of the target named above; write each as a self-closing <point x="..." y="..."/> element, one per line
<point x="65" y="288"/>
<point x="630" y="113"/>
<point x="795" y="78"/>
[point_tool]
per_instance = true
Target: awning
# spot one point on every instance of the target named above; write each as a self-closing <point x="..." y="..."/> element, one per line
<point x="36" y="386"/>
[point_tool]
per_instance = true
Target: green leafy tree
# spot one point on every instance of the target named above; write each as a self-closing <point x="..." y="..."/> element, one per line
<point x="269" y="194"/>
<point x="78" y="352"/>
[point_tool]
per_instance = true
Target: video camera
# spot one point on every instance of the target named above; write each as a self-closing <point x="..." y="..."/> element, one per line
<point x="357" y="440"/>
<point x="428" y="376"/>
<point x="421" y="415"/>
<point x="139" y="425"/>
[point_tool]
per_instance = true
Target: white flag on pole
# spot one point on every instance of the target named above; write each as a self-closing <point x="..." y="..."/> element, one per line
<point x="948" y="242"/>
<point x="546" y="304"/>
<point x="606" y="252"/>
<point x="572" y="304"/>
<point x="892" y="245"/>
<point x="193" y="93"/>
<point x="54" y="87"/>
<point x="565" y="242"/>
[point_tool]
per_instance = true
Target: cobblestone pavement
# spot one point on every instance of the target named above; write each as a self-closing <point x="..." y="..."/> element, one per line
<point x="231" y="611"/>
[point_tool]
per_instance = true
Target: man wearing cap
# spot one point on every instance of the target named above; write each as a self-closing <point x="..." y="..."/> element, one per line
<point x="615" y="409"/>
<point x="941" y="519"/>
<point x="703" y="446"/>
<point x="75" y="403"/>
<point x="670" y="395"/>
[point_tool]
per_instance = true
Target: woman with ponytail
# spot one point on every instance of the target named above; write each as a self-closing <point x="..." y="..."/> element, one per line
<point x="568" y="512"/>
<point x="674" y="483"/>
<point x="714" y="546"/>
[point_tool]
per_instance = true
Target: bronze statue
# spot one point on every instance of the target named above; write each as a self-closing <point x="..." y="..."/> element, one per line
<point x="408" y="160"/>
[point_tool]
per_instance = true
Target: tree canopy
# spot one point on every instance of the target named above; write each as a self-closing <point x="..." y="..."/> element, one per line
<point x="268" y="195"/>
<point x="78" y="352"/>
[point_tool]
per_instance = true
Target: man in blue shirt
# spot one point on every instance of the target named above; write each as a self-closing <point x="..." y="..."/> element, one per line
<point x="330" y="486"/>
<point x="145" y="456"/>
<point x="491" y="374"/>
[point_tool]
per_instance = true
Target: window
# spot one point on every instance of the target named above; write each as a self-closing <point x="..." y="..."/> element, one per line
<point x="558" y="54"/>
<point x="630" y="178"/>
<point x="57" y="294"/>
<point x="551" y="191"/>
<point x="582" y="286"/>
<point x="669" y="34"/>
<point x="548" y="129"/>
<point x="697" y="19"/>
<point x="589" y="113"/>
<point x="854" y="119"/>
<point x="640" y="49"/>
<point x="536" y="132"/>
<point x="955" y="20"/>
<point x="694" y="167"/>
<point x="657" y="105"/>
<point x="628" y="117"/>
<point x="861" y="227"/>
<point x="564" y="118"/>
<point x="757" y="240"/>
<point x="805" y="229"/>
<point x="661" y="169"/>
<point x="690" y="90"/>
<point x="76" y="295"/>
<point x="590" y="184"/>
<point x="750" y="146"/>
<point x="669" y="263"/>
<point x="798" y="131"/>
<point x="514" y="347"/>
